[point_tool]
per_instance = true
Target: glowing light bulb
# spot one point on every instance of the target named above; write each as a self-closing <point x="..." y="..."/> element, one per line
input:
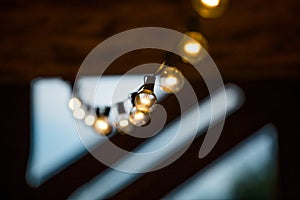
<point x="123" y="123"/>
<point x="171" y="80"/>
<point x="211" y="3"/>
<point x="102" y="125"/>
<point x="139" y="118"/>
<point x="89" y="120"/>
<point x="210" y="8"/>
<point x="192" y="48"/>
<point x="74" y="103"/>
<point x="145" y="100"/>
<point x="79" y="113"/>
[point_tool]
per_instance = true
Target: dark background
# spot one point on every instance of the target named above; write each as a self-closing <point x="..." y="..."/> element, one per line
<point x="254" y="44"/>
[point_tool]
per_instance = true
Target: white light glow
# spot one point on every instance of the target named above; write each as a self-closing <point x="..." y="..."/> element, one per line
<point x="101" y="124"/>
<point x="89" y="120"/>
<point x="74" y="103"/>
<point x="172" y="80"/>
<point x="139" y="115"/>
<point x="211" y="3"/>
<point x="145" y="101"/>
<point x="192" y="48"/>
<point x="123" y="123"/>
<point x="79" y="113"/>
<point x="56" y="145"/>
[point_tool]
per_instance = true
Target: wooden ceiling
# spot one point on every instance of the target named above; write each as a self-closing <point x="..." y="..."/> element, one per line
<point x="253" y="40"/>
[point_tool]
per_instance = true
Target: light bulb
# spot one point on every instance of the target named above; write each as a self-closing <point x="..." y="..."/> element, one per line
<point x="123" y="123"/>
<point x="210" y="8"/>
<point x="79" y="113"/>
<point x="145" y="100"/>
<point x="74" y="103"/>
<point x="192" y="47"/>
<point x="171" y="80"/>
<point x="211" y="3"/>
<point x="139" y="118"/>
<point x="102" y="125"/>
<point x="89" y="120"/>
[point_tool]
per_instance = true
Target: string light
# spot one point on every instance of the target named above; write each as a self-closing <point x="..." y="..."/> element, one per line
<point x="74" y="103"/>
<point x="145" y="99"/>
<point x="192" y="47"/>
<point x="122" y="122"/>
<point x="79" y="113"/>
<point x="210" y="8"/>
<point x="139" y="118"/>
<point x="89" y="120"/>
<point x="102" y="125"/>
<point x="211" y="3"/>
<point x="171" y="80"/>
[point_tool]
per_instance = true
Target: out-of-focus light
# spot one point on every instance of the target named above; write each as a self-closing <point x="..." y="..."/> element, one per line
<point x="211" y="3"/>
<point x="123" y="124"/>
<point x="192" y="47"/>
<point x="74" y="103"/>
<point x="139" y="118"/>
<point x="79" y="113"/>
<point x="171" y="80"/>
<point x="145" y="100"/>
<point x="210" y="8"/>
<point x="102" y="125"/>
<point x="89" y="120"/>
<point x="121" y="119"/>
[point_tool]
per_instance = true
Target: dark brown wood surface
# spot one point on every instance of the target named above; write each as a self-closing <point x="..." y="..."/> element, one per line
<point x="253" y="39"/>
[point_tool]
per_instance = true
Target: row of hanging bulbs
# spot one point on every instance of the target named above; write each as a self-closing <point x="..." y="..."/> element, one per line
<point x="143" y="101"/>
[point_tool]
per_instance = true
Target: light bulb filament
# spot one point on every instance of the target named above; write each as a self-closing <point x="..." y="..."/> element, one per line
<point x="102" y="125"/>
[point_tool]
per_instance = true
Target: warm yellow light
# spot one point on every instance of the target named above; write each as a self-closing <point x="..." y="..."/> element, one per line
<point x="171" y="80"/>
<point x="139" y="118"/>
<point x="145" y="100"/>
<point x="90" y="120"/>
<point x="102" y="125"/>
<point x="210" y="8"/>
<point x="79" y="113"/>
<point x="74" y="103"/>
<point x="123" y="123"/>
<point x="139" y="115"/>
<point x="211" y="3"/>
<point x="192" y="48"/>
